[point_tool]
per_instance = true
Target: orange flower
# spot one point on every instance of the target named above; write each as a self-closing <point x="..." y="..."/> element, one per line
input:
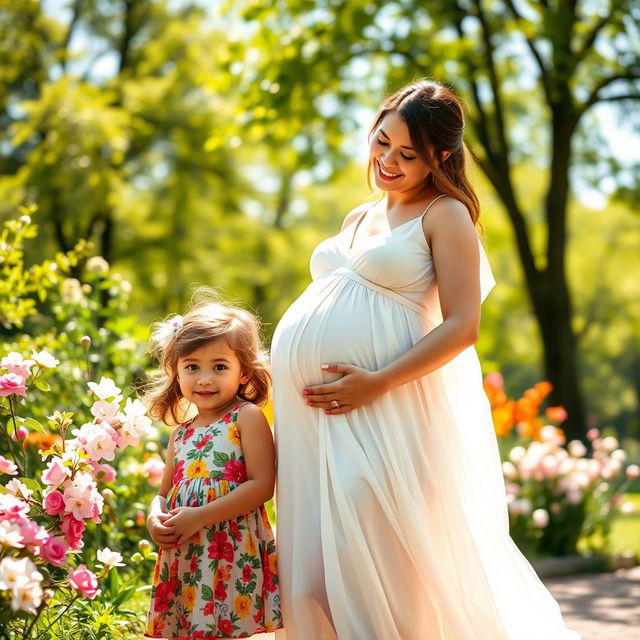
<point x="250" y="545"/>
<point x="189" y="597"/>
<point x="242" y="605"/>
<point x="43" y="441"/>
<point x="223" y="574"/>
<point x="273" y="564"/>
<point x="544" y="388"/>
<point x="557" y="414"/>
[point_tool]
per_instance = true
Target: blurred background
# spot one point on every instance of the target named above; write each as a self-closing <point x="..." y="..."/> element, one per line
<point x="217" y="143"/>
<point x="148" y="146"/>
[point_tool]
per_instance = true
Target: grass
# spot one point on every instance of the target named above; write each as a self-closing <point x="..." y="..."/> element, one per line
<point x="625" y="532"/>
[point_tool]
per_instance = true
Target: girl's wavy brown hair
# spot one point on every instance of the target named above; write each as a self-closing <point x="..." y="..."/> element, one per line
<point x="208" y="318"/>
<point x="435" y="118"/>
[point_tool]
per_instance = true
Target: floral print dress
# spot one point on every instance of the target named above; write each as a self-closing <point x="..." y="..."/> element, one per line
<point x="222" y="582"/>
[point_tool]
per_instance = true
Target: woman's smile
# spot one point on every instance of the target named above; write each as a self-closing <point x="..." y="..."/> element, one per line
<point x="386" y="174"/>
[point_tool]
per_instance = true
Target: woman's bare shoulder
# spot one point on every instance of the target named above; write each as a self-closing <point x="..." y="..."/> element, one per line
<point x="355" y="213"/>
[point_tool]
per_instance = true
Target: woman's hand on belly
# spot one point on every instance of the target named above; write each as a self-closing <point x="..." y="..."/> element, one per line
<point x="356" y="388"/>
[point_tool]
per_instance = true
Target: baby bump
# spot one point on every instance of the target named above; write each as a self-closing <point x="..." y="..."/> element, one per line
<point x="350" y="324"/>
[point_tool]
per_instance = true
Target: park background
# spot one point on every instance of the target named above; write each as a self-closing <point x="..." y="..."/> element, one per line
<point x="157" y="145"/>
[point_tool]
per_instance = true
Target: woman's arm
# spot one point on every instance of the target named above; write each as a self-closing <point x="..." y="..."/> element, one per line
<point x="454" y="248"/>
<point x="157" y="512"/>
<point x="259" y="456"/>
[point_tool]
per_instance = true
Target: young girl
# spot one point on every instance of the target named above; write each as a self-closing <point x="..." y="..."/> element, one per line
<point x="216" y="572"/>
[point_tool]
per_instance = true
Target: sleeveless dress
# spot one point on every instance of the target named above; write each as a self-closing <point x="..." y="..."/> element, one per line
<point x="392" y="518"/>
<point x="222" y="582"/>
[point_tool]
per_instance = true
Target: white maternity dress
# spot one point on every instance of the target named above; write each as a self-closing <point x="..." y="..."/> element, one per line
<point x="392" y="519"/>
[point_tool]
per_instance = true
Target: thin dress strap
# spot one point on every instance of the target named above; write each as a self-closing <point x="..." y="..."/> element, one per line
<point x="442" y="195"/>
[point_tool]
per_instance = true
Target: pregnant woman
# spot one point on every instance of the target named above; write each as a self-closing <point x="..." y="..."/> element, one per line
<point x="392" y="519"/>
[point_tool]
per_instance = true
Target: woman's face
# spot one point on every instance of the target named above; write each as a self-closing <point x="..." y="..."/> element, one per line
<point x="396" y="164"/>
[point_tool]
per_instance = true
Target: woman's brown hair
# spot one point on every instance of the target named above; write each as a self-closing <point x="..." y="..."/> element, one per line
<point x="207" y="318"/>
<point x="435" y="119"/>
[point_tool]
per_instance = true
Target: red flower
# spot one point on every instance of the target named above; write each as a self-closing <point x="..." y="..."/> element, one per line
<point x="203" y="441"/>
<point x="220" y="547"/>
<point x="164" y="593"/>
<point x="178" y="472"/>
<point x="194" y="564"/>
<point x="235" y="471"/>
<point x="227" y="419"/>
<point x="187" y="434"/>
<point x="225" y="626"/>
<point x="247" y="572"/>
<point x="235" y="531"/>
<point x="209" y="608"/>
<point x="220" y="592"/>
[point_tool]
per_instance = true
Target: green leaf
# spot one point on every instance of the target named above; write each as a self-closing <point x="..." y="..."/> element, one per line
<point x="207" y="593"/>
<point x="43" y="385"/>
<point x="34" y="424"/>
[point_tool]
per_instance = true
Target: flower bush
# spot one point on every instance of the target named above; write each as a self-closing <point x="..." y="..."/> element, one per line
<point x="43" y="518"/>
<point x="558" y="495"/>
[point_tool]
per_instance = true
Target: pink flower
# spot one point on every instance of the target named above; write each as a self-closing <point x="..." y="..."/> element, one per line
<point x="55" y="551"/>
<point x="153" y="468"/>
<point x="494" y="379"/>
<point x="8" y="467"/>
<point x="106" y="412"/>
<point x="19" y="434"/>
<point x="593" y="433"/>
<point x="84" y="581"/>
<point x="55" y="473"/>
<point x="79" y="497"/>
<point x="11" y="383"/>
<point x="73" y="530"/>
<point x="633" y="471"/>
<point x="14" y="363"/>
<point x="53" y="503"/>
<point x="33" y="534"/>
<point x="235" y="471"/>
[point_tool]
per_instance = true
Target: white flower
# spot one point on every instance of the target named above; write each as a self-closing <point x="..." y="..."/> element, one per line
<point x="106" y="389"/>
<point x="110" y="558"/>
<point x="577" y="449"/>
<point x="135" y="423"/>
<point x="520" y="507"/>
<point x="44" y="359"/>
<point x="516" y="454"/>
<point x="627" y="507"/>
<point x="27" y="595"/>
<point x="12" y="569"/>
<point x="19" y="489"/>
<point x="10" y="536"/>
<point x="509" y="471"/>
<point x="540" y="518"/>
<point x="97" y="264"/>
<point x="609" y="443"/>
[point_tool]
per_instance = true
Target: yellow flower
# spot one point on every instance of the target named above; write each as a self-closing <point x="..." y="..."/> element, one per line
<point x="242" y="606"/>
<point x="233" y="435"/>
<point x="250" y="545"/>
<point x="189" y="597"/>
<point x="197" y="469"/>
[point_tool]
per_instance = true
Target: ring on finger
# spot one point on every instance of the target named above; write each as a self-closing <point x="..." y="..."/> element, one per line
<point x="335" y="404"/>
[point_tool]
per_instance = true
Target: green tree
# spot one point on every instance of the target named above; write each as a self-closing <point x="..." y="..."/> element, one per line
<point x="530" y="72"/>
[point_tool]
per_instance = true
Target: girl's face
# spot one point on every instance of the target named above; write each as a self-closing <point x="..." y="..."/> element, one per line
<point x="210" y="376"/>
<point x="396" y="164"/>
